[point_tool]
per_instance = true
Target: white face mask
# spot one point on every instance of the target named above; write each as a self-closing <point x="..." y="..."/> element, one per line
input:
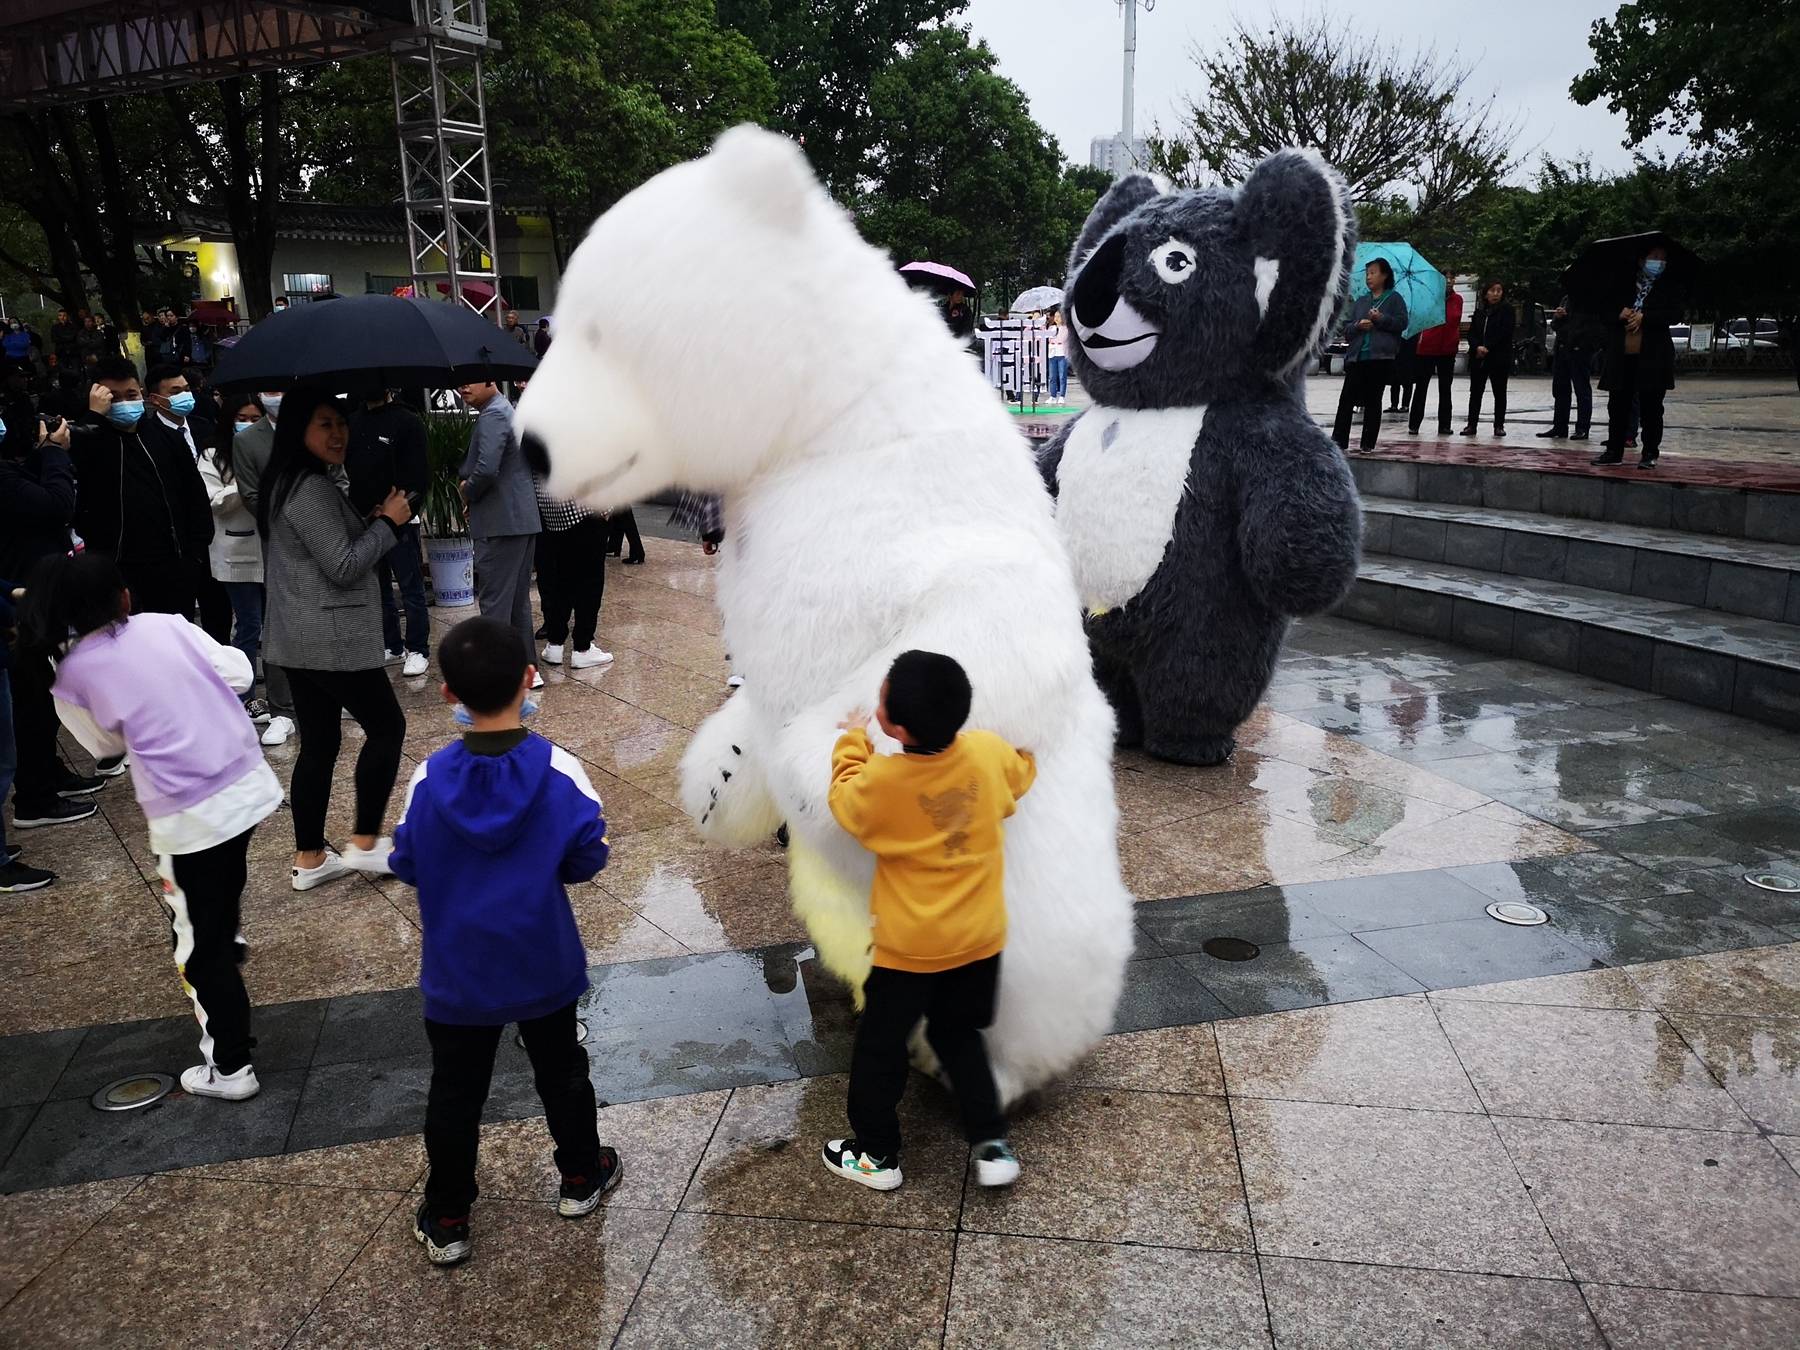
<point x="272" y="405"/>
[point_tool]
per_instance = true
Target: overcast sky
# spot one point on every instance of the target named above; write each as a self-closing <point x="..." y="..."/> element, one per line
<point x="1067" y="56"/>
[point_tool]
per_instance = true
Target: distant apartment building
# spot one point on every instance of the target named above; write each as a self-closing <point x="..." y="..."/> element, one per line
<point x="1117" y="155"/>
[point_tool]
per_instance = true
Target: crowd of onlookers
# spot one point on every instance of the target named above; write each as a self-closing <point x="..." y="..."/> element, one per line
<point x="1631" y="346"/>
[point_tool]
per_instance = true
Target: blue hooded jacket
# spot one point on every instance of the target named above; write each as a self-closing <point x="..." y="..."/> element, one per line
<point x="494" y="827"/>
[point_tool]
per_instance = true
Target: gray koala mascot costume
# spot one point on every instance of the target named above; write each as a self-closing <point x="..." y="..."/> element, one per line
<point x="1201" y="506"/>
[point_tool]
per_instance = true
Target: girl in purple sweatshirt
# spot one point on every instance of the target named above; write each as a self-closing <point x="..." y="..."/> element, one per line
<point x="158" y="688"/>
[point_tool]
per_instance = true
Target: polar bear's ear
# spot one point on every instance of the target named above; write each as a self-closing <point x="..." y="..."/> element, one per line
<point x="768" y="173"/>
<point x="1294" y="216"/>
<point x="1120" y="200"/>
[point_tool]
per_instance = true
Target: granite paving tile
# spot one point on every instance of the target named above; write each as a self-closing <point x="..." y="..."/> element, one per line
<point x="1583" y="876"/>
<point x="1397" y="901"/>
<point x="723" y="1280"/>
<point x="1326" y="1305"/>
<point x="1171" y="1176"/>
<point x="394" y="1164"/>
<point x="69" y="1141"/>
<point x="1666" y="1319"/>
<point x="763" y="1160"/>
<point x="1391" y="1187"/>
<point x="1756" y="1058"/>
<point x="535" y="1279"/>
<point x="1476" y="951"/>
<point x="1263" y="915"/>
<point x="1167" y="1059"/>
<point x="1656" y="927"/>
<point x="14" y="1121"/>
<point x="30" y="1065"/>
<point x="271" y="1254"/>
<point x="1583" y="989"/>
<point x="1300" y="974"/>
<point x="1032" y="1292"/>
<point x="285" y="1037"/>
<point x="1621" y="1066"/>
<point x="41" y="1225"/>
<point x="1723" y="1214"/>
<point x="1751" y="983"/>
<point x="1161" y="992"/>
<point x="1381" y="1052"/>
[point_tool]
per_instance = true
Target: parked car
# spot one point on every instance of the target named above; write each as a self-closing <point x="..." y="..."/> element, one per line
<point x="1737" y="333"/>
<point x="1682" y="335"/>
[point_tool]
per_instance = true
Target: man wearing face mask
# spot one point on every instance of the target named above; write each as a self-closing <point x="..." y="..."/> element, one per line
<point x="1640" y="359"/>
<point x="171" y="416"/>
<point x="141" y="498"/>
<point x="251" y="447"/>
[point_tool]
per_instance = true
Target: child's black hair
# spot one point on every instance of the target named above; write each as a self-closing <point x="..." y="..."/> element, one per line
<point x="483" y="663"/>
<point x="67" y="598"/>
<point x="928" y="694"/>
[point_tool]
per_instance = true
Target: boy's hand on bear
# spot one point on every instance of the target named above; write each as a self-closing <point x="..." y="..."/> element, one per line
<point x="856" y="721"/>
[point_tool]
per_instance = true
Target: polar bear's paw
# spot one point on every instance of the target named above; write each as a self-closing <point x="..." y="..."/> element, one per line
<point x="723" y="788"/>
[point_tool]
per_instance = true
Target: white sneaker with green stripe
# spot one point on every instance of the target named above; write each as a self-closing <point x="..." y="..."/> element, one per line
<point x="847" y="1159"/>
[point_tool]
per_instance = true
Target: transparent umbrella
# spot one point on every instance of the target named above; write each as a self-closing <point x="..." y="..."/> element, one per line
<point x="1038" y="299"/>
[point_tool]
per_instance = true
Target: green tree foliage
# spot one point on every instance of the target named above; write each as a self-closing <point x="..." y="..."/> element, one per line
<point x="960" y="172"/>
<point x="588" y="98"/>
<point x="826" y="56"/>
<point x="1726" y="76"/>
<point x="1387" y="120"/>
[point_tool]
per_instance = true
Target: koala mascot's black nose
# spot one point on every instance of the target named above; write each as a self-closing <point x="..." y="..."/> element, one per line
<point x="1097" y="288"/>
<point x="536" y="454"/>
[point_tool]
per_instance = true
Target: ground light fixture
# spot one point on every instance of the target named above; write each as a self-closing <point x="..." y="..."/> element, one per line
<point x="133" y="1093"/>
<point x="1517" y="912"/>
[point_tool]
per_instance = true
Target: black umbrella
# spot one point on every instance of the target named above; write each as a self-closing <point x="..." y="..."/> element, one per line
<point x="1603" y="274"/>
<point x="377" y="341"/>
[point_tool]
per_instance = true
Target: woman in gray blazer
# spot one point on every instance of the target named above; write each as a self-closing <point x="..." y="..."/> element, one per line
<point x="324" y="629"/>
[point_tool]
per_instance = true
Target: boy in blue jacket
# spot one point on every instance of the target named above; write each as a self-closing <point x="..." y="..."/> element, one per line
<point x="494" y="826"/>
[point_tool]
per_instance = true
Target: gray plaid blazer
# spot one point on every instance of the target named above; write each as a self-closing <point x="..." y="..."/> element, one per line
<point x="324" y="607"/>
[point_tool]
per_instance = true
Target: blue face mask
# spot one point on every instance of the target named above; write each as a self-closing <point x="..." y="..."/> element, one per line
<point x="239" y="428"/>
<point x="461" y="716"/>
<point x="181" y="403"/>
<point x="2" y="428"/>
<point x="125" y="414"/>
<point x="1653" y="267"/>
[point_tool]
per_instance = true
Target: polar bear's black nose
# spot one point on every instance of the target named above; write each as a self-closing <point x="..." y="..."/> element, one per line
<point x="1097" y="288"/>
<point x="537" y="455"/>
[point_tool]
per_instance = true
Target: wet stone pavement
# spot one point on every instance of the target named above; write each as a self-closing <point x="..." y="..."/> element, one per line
<point x="1398" y="1122"/>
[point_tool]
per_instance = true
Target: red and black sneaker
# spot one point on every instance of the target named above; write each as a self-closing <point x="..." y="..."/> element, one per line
<point x="446" y="1241"/>
<point x="581" y="1194"/>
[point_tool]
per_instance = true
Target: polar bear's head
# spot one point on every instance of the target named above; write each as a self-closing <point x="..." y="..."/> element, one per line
<point x="695" y="338"/>
<point x="1175" y="299"/>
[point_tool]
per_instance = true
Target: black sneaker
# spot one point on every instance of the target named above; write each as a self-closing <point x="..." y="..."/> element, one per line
<point x="581" y="1195"/>
<point x="58" y="813"/>
<point x="259" y="711"/>
<point x="110" y="767"/>
<point x="446" y="1241"/>
<point x="13" y="851"/>
<point x="847" y="1159"/>
<point x="78" y="786"/>
<point x="16" y="877"/>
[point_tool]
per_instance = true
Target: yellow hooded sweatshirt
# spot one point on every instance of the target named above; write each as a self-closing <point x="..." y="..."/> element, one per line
<point x="933" y="824"/>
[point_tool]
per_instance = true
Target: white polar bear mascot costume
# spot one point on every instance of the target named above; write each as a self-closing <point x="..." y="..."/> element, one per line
<point x="877" y="498"/>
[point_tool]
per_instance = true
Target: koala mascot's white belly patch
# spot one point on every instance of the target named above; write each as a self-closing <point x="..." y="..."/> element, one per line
<point x="1121" y="478"/>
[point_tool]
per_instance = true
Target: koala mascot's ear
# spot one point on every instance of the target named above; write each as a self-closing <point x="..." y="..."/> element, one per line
<point x="1294" y="214"/>
<point x="1121" y="199"/>
<point x="767" y="173"/>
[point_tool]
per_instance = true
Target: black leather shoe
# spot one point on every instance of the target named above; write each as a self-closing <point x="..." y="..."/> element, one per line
<point x="1467" y="431"/>
<point x="1609" y="457"/>
<point x="1578" y="435"/>
<point x="1546" y="435"/>
<point x="1648" y="461"/>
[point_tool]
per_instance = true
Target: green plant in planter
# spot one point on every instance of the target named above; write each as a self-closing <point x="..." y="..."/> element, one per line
<point x="447" y="443"/>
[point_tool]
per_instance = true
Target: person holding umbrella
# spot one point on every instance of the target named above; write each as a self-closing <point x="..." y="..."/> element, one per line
<point x="1373" y="331"/>
<point x="324" y="629"/>
<point x="1640" y="360"/>
<point x="1490" y="355"/>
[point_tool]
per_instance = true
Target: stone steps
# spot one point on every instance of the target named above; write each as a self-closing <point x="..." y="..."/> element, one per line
<point x="1735" y="663"/>
<point x="1704" y="571"/>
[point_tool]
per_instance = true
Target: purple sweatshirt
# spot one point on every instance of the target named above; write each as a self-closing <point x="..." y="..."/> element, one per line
<point x="149" y="680"/>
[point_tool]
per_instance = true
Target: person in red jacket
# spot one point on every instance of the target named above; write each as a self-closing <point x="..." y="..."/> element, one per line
<point x="1436" y="355"/>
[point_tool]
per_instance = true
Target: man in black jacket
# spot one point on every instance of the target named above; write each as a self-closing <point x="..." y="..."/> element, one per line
<point x="1578" y="337"/>
<point x="387" y="451"/>
<point x="37" y="502"/>
<point x="141" y="497"/>
<point x="176" y="423"/>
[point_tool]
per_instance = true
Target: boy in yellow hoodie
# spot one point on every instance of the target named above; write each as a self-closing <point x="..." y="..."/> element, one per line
<point x="931" y="816"/>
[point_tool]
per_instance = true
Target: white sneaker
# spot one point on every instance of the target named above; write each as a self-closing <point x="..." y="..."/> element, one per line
<point x="305" y="878"/>
<point x="553" y="653"/>
<point x="588" y="656"/>
<point x="205" y="1081"/>
<point x="278" y="731"/>
<point x="416" y="664"/>
<point x="537" y="679"/>
<point x="392" y="657"/>
<point x="374" y="861"/>
<point x="995" y="1163"/>
<point x="844" y="1157"/>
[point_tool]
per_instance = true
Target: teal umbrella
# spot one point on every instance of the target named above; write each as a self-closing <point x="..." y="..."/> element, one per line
<point x="1419" y="283"/>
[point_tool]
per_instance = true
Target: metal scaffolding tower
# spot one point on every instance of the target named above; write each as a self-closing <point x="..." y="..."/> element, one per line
<point x="441" y="113"/>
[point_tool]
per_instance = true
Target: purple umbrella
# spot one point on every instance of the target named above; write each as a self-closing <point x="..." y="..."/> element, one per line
<point x="937" y="276"/>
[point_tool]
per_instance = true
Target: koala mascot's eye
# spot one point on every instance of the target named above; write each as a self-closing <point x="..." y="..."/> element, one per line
<point x="1174" y="261"/>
